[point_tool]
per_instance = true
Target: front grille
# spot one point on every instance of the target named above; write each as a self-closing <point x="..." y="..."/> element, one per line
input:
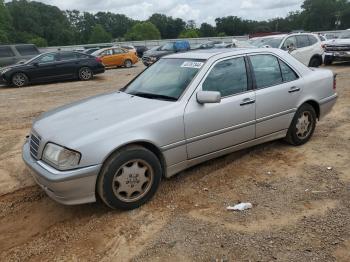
<point x="34" y="145"/>
<point x="337" y="48"/>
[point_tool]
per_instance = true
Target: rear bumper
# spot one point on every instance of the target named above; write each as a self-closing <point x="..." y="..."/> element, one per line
<point x="66" y="187"/>
<point x="327" y="104"/>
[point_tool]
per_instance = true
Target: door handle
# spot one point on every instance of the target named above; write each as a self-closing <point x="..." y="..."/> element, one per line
<point x="294" y="89"/>
<point x="247" y="101"/>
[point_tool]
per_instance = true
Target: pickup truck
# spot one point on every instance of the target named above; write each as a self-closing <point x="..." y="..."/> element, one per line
<point x="337" y="49"/>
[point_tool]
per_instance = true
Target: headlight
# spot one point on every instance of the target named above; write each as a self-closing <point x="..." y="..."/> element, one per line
<point x="3" y="71"/>
<point x="60" y="157"/>
<point x="153" y="58"/>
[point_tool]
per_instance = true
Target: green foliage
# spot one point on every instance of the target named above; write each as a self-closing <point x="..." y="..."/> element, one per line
<point x="99" y="35"/>
<point x="38" y="41"/>
<point x="168" y="27"/>
<point x="189" y="33"/>
<point x="143" y="31"/>
<point x="24" y="21"/>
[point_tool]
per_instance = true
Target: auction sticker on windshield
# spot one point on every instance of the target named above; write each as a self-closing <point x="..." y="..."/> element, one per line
<point x="192" y="64"/>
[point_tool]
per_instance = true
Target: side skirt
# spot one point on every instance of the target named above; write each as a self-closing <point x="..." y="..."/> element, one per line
<point x="174" y="169"/>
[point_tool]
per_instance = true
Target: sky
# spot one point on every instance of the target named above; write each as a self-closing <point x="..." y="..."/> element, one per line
<point x="198" y="10"/>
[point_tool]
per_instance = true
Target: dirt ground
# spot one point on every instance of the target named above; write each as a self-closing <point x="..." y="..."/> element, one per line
<point x="301" y="209"/>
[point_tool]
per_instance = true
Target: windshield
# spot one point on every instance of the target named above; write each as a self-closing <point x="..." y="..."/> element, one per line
<point x="166" y="79"/>
<point x="345" y="35"/>
<point x="34" y="58"/>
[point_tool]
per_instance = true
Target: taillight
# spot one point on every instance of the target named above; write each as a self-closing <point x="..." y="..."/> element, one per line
<point x="98" y="59"/>
<point x="335" y="82"/>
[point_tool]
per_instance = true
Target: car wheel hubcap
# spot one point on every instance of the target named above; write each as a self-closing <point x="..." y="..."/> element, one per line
<point x="128" y="64"/>
<point x="85" y="74"/>
<point x="303" y="126"/>
<point x="133" y="180"/>
<point x="19" y="80"/>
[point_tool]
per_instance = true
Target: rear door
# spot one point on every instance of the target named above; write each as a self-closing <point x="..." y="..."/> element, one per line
<point x="67" y="66"/>
<point x="119" y="56"/>
<point x="278" y="90"/>
<point x="107" y="57"/>
<point x="305" y="49"/>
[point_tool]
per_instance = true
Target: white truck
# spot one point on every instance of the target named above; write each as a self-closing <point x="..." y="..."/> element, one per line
<point x="338" y="49"/>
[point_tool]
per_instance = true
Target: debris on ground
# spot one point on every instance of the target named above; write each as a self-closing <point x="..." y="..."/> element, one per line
<point x="240" y="207"/>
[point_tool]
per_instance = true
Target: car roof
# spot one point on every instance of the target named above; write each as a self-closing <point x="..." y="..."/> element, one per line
<point x="208" y="53"/>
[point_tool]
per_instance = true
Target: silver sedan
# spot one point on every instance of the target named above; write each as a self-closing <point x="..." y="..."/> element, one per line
<point x="185" y="109"/>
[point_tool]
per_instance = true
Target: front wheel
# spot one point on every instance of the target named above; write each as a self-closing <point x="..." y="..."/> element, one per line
<point x="19" y="80"/>
<point x="85" y="74"/>
<point x="129" y="178"/>
<point x="302" y="126"/>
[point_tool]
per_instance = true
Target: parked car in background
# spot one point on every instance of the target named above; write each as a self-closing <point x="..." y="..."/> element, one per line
<point x="140" y="50"/>
<point x="12" y="54"/>
<point x="219" y="44"/>
<point x="185" y="109"/>
<point x="154" y="55"/>
<point x="116" y="56"/>
<point x="52" y="66"/>
<point x="337" y="49"/>
<point x="206" y="45"/>
<point x="305" y="47"/>
<point x="89" y="51"/>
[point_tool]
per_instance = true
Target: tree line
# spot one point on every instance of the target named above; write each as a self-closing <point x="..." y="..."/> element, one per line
<point x="23" y="21"/>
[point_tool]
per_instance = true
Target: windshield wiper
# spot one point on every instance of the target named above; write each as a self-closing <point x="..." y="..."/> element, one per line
<point x="154" y="96"/>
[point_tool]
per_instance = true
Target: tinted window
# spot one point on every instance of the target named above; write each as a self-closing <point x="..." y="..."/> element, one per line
<point x="313" y="40"/>
<point x="27" y="50"/>
<point x="47" y="58"/>
<point x="67" y="56"/>
<point x="266" y="70"/>
<point x="290" y="41"/>
<point x="6" y="51"/>
<point x="117" y="51"/>
<point x="80" y="55"/>
<point x="228" y="77"/>
<point x="302" y="41"/>
<point x="287" y="73"/>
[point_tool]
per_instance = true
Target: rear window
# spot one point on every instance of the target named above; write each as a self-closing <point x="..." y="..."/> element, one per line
<point x="313" y="40"/>
<point x="27" y="50"/>
<point x="6" y="51"/>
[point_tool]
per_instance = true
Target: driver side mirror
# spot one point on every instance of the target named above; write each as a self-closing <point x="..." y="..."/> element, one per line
<point x="206" y="97"/>
<point x="36" y="64"/>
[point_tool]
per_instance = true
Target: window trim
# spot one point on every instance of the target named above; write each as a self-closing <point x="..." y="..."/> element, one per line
<point x="250" y="85"/>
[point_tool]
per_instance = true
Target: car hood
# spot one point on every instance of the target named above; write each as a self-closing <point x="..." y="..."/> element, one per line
<point x="6" y="68"/>
<point x="95" y="117"/>
<point x="338" y="42"/>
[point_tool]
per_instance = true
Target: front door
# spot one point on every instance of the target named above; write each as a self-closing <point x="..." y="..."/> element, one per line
<point x="44" y="67"/>
<point x="212" y="127"/>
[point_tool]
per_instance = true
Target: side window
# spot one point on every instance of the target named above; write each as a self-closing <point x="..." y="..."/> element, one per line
<point x="27" y="50"/>
<point x="6" y="51"/>
<point x="290" y="41"/>
<point x="107" y="52"/>
<point x="229" y="77"/>
<point x="313" y="40"/>
<point x="66" y="56"/>
<point x="117" y="51"/>
<point x="48" y="58"/>
<point x="288" y="74"/>
<point x="302" y="41"/>
<point x="266" y="70"/>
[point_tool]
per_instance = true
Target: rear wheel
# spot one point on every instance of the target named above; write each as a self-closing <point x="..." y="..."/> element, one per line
<point x="85" y="74"/>
<point x="128" y="63"/>
<point x="129" y="178"/>
<point x="302" y="126"/>
<point x="315" y="62"/>
<point x="19" y="80"/>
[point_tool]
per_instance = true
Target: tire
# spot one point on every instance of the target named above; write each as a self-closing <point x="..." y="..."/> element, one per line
<point x="302" y="126"/>
<point x="19" y="80"/>
<point x="128" y="63"/>
<point x="129" y="178"/>
<point x="328" y="60"/>
<point x="85" y="74"/>
<point x="315" y="62"/>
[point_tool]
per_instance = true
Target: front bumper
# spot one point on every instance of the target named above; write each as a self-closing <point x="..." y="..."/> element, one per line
<point x="66" y="187"/>
<point x="341" y="55"/>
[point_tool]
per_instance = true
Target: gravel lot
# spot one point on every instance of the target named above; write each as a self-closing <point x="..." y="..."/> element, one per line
<point x="301" y="209"/>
